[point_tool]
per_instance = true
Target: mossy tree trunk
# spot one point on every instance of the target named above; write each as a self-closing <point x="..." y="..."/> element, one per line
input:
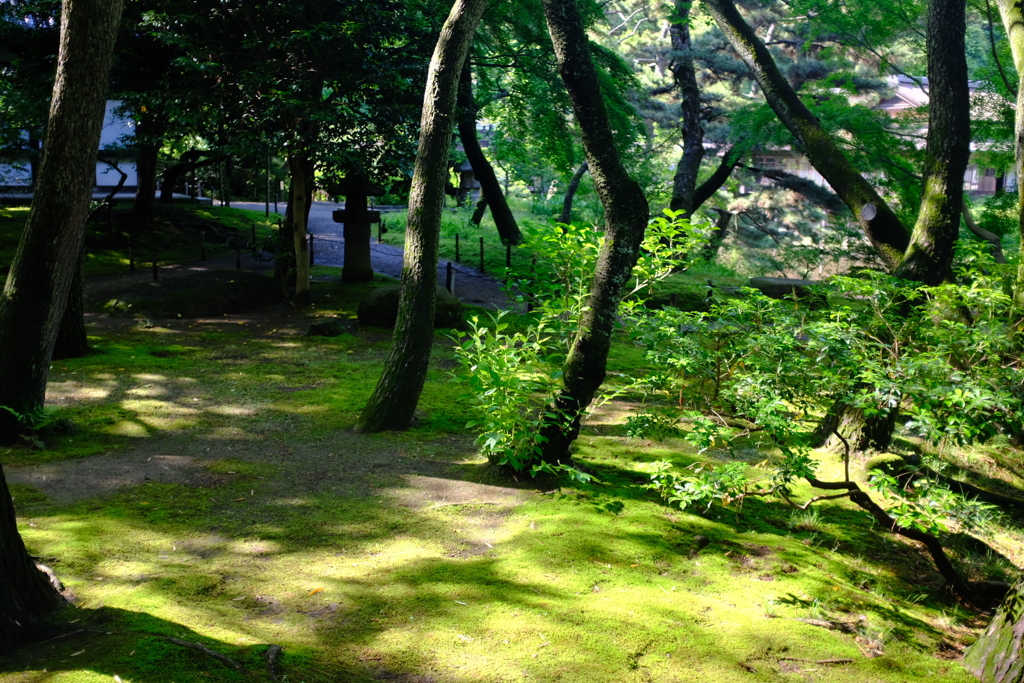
<point x="1012" y="14"/>
<point x="885" y="230"/>
<point x="998" y="654"/>
<point x="862" y="433"/>
<point x="44" y="264"/>
<point x="394" y="399"/>
<point x="929" y="257"/>
<point x="626" y="216"/>
<point x="504" y="220"/>
<point x="685" y="182"/>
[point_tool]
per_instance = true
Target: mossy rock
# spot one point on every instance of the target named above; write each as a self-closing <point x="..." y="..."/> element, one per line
<point x="893" y="465"/>
<point x="328" y="327"/>
<point x="381" y="308"/>
<point x="209" y="293"/>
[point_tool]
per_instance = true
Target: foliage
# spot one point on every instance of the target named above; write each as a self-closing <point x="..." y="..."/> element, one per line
<point x="946" y="357"/>
<point x="512" y="374"/>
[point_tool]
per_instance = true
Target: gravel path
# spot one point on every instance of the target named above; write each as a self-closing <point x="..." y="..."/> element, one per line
<point x="329" y="250"/>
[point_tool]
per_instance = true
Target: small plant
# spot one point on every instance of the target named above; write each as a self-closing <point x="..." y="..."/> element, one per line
<point x="35" y="424"/>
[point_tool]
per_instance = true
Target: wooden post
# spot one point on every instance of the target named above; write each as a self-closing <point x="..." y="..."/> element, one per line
<point x="458" y="258"/>
<point x="481" y="254"/>
<point x="311" y="249"/>
<point x="131" y="255"/>
<point x="449" y="278"/>
<point x="202" y="245"/>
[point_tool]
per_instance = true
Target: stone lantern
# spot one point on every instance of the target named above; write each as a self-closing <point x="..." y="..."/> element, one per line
<point x="358" y="221"/>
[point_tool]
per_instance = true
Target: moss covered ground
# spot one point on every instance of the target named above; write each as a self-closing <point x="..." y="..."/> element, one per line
<point x="214" y="493"/>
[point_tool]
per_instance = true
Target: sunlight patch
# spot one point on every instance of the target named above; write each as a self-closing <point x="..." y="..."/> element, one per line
<point x="254" y="547"/>
<point x="148" y="377"/>
<point x="244" y="411"/>
<point x="128" y="428"/>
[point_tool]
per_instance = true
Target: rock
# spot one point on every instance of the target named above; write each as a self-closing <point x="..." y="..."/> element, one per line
<point x="328" y="327"/>
<point x="381" y="308"/>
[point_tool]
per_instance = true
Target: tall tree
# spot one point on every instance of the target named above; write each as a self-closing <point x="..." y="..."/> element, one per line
<point x="626" y="215"/>
<point x="1012" y="15"/>
<point x="947" y="149"/>
<point x="37" y="286"/>
<point x="398" y="390"/>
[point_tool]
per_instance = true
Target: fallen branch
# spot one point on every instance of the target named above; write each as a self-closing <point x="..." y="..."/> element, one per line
<point x="830" y="625"/>
<point x="816" y="661"/>
<point x="223" y="659"/>
<point x="273" y="656"/>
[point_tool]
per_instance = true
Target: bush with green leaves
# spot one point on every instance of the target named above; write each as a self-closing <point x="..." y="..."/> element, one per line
<point x="513" y="374"/>
<point x="946" y="357"/>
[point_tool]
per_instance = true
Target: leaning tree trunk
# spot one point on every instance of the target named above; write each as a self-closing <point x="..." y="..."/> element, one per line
<point x="394" y="399"/>
<point x="37" y="286"/>
<point x="885" y="230"/>
<point x="1012" y="15"/>
<point x="570" y="193"/>
<point x="504" y="221"/>
<point x="626" y="215"/>
<point x="998" y="654"/>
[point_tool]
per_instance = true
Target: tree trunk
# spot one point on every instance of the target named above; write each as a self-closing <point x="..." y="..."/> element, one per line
<point x="864" y="434"/>
<point x="394" y="399"/>
<point x="998" y="654"/>
<point x="885" y="230"/>
<point x="626" y="215"/>
<point x="72" y="340"/>
<point x="504" y="221"/>
<point x="148" y="134"/>
<point x="721" y="230"/>
<point x="300" y="170"/>
<point x="685" y="182"/>
<point x="479" y="211"/>
<point x="707" y="189"/>
<point x="25" y="593"/>
<point x="929" y="257"/>
<point x="40" y="276"/>
<point x="570" y="193"/>
<point x="1012" y="14"/>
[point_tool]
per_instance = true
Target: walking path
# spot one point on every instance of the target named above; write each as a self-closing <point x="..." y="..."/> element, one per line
<point x="329" y="250"/>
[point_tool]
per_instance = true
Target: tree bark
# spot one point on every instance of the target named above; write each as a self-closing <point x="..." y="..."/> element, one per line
<point x="707" y="189"/>
<point x="72" y="340"/>
<point x="570" y="193"/>
<point x="885" y="230"/>
<point x="504" y="220"/>
<point x="37" y="286"/>
<point x="718" y="234"/>
<point x="929" y="257"/>
<point x="394" y="399"/>
<point x="1012" y="14"/>
<point x="685" y="182"/>
<point x="149" y="134"/>
<point x="626" y="215"/>
<point x="479" y="211"/>
<point x="300" y="169"/>
<point x="998" y="654"/>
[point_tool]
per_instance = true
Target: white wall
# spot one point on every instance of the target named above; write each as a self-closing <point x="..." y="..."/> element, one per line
<point x="114" y="127"/>
<point x="16" y="174"/>
<point x="106" y="176"/>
